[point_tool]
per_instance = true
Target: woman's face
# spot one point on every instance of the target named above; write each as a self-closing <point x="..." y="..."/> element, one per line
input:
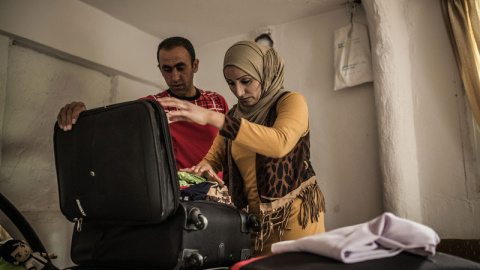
<point x="243" y="86"/>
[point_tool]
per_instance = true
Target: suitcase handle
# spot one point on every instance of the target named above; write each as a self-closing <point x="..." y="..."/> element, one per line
<point x="254" y="223"/>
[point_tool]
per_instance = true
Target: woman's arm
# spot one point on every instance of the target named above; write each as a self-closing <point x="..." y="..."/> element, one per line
<point x="216" y="154"/>
<point x="278" y="140"/>
<point x="187" y="111"/>
<point x="211" y="163"/>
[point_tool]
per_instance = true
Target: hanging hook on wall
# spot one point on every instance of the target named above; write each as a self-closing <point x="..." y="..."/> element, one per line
<point x="351" y="6"/>
<point x="265" y="39"/>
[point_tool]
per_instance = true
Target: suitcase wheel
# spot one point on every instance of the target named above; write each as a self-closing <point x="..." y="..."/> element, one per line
<point x="196" y="218"/>
<point x="194" y="261"/>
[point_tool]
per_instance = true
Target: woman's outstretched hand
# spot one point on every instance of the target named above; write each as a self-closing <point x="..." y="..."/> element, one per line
<point x="187" y="111"/>
<point x="206" y="171"/>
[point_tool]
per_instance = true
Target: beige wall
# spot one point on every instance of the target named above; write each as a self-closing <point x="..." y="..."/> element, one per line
<point x="4" y="41"/>
<point x="449" y="202"/>
<point x="75" y="28"/>
<point x="426" y="156"/>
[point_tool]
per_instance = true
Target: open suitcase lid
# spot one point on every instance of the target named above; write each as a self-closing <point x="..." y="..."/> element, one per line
<point x="119" y="157"/>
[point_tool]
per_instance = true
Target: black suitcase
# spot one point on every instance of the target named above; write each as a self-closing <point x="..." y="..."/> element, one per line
<point x="201" y="234"/>
<point x="116" y="165"/>
<point x="117" y="180"/>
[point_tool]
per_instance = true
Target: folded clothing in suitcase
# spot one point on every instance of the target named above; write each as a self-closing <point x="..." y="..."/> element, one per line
<point x="117" y="165"/>
<point x="201" y="234"/>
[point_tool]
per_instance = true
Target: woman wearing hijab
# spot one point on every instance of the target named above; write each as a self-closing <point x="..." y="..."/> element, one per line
<point x="263" y="147"/>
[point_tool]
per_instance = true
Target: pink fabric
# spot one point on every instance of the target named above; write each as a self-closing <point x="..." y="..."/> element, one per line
<point x="384" y="236"/>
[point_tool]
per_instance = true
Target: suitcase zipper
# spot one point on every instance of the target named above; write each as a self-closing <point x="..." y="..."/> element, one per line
<point x="78" y="223"/>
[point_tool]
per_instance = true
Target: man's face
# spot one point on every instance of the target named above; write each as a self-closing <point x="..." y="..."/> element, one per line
<point x="21" y="253"/>
<point x="177" y="70"/>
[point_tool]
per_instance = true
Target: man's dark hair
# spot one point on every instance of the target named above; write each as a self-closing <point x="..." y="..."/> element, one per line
<point x="7" y="248"/>
<point x="173" y="42"/>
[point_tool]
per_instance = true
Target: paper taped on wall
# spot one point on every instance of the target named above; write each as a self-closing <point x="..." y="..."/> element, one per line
<point x="353" y="59"/>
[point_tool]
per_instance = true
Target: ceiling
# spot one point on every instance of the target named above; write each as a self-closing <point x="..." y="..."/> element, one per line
<point x="204" y="21"/>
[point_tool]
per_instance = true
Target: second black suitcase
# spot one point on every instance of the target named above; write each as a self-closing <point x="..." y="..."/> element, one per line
<point x="201" y="234"/>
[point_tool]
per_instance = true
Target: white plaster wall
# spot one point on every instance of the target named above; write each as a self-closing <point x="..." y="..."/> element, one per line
<point x="342" y="123"/>
<point x="78" y="29"/>
<point x="394" y="105"/>
<point x="3" y="83"/>
<point x="37" y="87"/>
<point x="439" y="116"/>
<point x="128" y="89"/>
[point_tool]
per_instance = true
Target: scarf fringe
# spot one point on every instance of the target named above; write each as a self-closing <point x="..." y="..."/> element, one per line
<point x="313" y="203"/>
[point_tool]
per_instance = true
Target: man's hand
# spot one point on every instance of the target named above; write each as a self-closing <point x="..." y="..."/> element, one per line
<point x="68" y="115"/>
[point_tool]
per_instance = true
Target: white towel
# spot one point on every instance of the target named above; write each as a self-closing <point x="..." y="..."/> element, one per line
<point x="384" y="236"/>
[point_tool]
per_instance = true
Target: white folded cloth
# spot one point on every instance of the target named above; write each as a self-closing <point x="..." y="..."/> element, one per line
<point x="384" y="236"/>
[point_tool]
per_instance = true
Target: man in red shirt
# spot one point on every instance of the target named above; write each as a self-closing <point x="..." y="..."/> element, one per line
<point x="177" y="63"/>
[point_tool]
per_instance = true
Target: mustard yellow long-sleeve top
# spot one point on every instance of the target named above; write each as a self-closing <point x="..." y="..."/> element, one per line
<point x="276" y="141"/>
